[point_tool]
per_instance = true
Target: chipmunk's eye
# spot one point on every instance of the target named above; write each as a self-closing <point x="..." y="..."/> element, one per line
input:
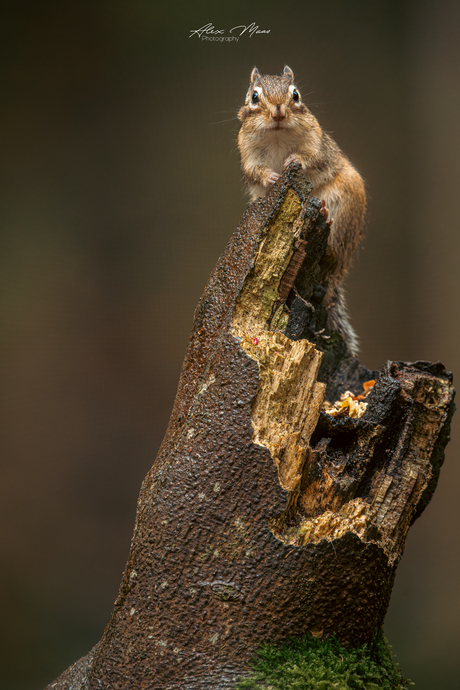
<point x="295" y="95"/>
<point x="255" y="97"/>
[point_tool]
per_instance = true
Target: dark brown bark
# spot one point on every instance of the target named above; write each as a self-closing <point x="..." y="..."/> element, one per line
<point x="263" y="516"/>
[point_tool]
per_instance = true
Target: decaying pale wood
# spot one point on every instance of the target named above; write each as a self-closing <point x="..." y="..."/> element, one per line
<point x="288" y="401"/>
<point x="286" y="407"/>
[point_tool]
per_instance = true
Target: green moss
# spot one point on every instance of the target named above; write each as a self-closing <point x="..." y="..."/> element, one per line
<point x="314" y="664"/>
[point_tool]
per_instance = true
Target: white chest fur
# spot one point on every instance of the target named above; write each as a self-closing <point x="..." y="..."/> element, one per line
<point x="271" y="148"/>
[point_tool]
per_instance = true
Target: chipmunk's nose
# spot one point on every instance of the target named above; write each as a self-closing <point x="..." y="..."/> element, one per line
<point x="278" y="112"/>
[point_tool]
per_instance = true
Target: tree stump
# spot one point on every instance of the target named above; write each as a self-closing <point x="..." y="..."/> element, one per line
<point x="264" y="516"/>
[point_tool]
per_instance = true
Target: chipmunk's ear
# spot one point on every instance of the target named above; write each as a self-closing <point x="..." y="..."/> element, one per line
<point x="288" y="73"/>
<point x="254" y="75"/>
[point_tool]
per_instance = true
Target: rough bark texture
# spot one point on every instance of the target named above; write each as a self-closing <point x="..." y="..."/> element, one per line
<point x="262" y="516"/>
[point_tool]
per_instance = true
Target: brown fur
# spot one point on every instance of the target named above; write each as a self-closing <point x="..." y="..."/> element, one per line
<point x="276" y="130"/>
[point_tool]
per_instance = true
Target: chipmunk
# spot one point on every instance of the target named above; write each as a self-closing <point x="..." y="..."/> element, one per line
<point x="277" y="129"/>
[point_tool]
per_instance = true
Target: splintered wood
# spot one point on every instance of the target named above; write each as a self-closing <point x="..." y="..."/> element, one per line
<point x="373" y="487"/>
<point x="286" y="407"/>
<point x="285" y="410"/>
<point x="366" y="478"/>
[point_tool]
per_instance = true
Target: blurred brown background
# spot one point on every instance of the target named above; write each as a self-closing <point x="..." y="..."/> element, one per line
<point x="120" y="186"/>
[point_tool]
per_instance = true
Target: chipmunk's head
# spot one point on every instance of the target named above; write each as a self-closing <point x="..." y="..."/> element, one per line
<point x="272" y="102"/>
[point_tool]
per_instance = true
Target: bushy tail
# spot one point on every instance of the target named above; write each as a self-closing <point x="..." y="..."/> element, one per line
<point x="339" y="320"/>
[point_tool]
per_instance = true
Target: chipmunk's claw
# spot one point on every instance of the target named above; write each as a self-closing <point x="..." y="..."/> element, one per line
<point x="272" y="177"/>
<point x="325" y="212"/>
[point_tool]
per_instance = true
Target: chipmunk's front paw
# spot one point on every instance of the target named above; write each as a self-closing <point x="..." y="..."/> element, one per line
<point x="270" y="177"/>
<point x="293" y="158"/>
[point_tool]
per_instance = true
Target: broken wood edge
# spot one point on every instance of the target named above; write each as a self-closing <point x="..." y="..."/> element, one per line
<point x="287" y="404"/>
<point x="384" y="510"/>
